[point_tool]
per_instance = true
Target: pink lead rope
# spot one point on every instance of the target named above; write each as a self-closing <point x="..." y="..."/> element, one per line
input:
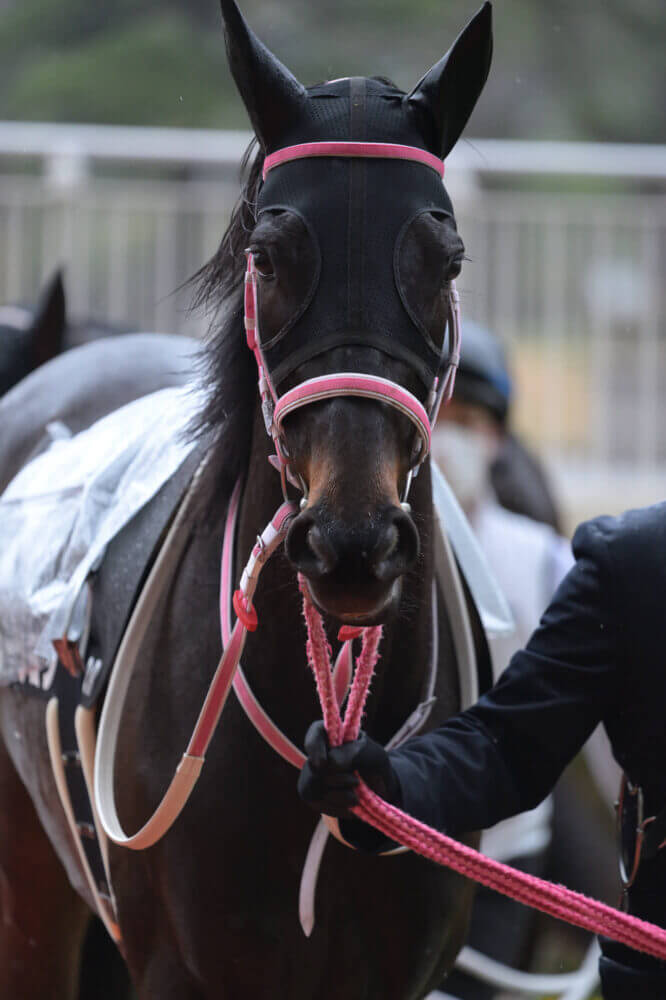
<point x="556" y="900"/>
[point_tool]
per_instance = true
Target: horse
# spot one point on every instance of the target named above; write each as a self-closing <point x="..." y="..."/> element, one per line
<point x="32" y="335"/>
<point x="210" y="910"/>
<point x="29" y="337"/>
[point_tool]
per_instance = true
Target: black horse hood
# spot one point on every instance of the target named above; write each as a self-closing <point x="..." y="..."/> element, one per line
<point x="357" y="210"/>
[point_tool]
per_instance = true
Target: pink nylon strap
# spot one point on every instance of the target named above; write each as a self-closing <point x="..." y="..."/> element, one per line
<point x="369" y="150"/>
<point x="216" y="697"/>
<point x="253" y="709"/>
<point x="347" y="384"/>
<point x="266" y="390"/>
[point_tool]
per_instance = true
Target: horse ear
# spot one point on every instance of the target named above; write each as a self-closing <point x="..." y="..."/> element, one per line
<point x="452" y="87"/>
<point x="47" y="333"/>
<point x="269" y="91"/>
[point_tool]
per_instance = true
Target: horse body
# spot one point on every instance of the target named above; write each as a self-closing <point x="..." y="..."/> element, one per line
<point x="231" y="910"/>
<point x="225" y="921"/>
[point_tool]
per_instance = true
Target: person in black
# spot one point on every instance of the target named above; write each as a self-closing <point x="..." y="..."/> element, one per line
<point x="599" y="654"/>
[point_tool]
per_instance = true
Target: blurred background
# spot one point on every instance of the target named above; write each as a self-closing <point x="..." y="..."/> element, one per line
<point x="121" y="135"/>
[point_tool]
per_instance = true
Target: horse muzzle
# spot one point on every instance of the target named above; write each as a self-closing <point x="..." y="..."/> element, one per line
<point x="353" y="569"/>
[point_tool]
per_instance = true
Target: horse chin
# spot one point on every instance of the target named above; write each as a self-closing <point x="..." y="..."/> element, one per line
<point x="356" y="609"/>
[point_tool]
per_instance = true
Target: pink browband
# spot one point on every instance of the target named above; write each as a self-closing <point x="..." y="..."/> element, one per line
<point x="369" y="150"/>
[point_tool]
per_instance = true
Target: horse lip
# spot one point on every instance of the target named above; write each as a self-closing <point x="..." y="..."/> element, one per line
<point x="376" y="616"/>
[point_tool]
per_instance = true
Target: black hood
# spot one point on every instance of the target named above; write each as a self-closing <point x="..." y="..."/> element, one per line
<point x="356" y="210"/>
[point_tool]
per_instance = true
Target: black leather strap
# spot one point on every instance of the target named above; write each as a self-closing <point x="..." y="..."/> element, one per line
<point x="67" y="690"/>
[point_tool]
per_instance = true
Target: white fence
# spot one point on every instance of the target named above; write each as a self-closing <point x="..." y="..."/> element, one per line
<point x="573" y="282"/>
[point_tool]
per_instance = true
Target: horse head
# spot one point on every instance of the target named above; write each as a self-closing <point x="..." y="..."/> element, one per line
<point x="353" y="259"/>
<point x="28" y="337"/>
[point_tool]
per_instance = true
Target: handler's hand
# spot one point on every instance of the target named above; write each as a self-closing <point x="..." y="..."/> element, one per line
<point x="328" y="782"/>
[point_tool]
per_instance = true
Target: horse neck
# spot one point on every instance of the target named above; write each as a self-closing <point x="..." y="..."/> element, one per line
<point x="274" y="659"/>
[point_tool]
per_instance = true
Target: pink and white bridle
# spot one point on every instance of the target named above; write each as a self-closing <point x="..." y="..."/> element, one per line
<point x="276" y="408"/>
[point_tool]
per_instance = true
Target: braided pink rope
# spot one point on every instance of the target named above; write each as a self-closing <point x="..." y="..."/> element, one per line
<point x="365" y="668"/>
<point x="556" y="900"/>
<point x="318" y="653"/>
<point x="319" y="657"/>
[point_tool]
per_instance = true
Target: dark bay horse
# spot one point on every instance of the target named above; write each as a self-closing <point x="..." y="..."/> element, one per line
<point x="211" y="910"/>
<point x="32" y="335"/>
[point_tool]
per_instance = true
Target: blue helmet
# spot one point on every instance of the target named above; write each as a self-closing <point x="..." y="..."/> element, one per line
<point x="483" y="377"/>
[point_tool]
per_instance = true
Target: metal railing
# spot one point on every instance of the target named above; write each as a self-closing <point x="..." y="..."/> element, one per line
<point x="572" y="282"/>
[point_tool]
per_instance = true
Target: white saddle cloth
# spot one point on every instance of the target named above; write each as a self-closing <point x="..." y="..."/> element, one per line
<point x="62" y="510"/>
<point x="64" y="507"/>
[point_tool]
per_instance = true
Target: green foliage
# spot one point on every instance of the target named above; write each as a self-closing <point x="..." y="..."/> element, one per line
<point x="561" y="69"/>
<point x="156" y="69"/>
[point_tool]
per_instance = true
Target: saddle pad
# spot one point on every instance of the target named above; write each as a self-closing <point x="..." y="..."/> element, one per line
<point x="61" y="511"/>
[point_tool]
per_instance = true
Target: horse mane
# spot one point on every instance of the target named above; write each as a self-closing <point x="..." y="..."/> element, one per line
<point x="226" y="367"/>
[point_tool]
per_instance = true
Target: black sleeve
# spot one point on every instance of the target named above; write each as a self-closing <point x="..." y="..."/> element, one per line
<point x="504" y="754"/>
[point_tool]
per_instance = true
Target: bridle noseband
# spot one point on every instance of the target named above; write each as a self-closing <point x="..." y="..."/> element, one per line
<point x="275" y="408"/>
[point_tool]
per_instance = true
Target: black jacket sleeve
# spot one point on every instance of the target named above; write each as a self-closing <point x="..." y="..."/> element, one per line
<point x="504" y="754"/>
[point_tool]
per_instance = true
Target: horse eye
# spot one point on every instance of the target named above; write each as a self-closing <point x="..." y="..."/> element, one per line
<point x="262" y="263"/>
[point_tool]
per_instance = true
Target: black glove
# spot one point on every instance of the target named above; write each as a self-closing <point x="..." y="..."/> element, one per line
<point x="328" y="782"/>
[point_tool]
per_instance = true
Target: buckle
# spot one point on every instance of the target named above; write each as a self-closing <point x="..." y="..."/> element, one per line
<point x="631" y="826"/>
<point x="267" y="412"/>
<point x="93" y="670"/>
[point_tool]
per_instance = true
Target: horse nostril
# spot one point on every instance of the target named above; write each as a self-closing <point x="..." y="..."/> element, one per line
<point x="397" y="548"/>
<point x="322" y="549"/>
<point x="381" y="551"/>
<point x="386" y="548"/>
<point x="308" y="549"/>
